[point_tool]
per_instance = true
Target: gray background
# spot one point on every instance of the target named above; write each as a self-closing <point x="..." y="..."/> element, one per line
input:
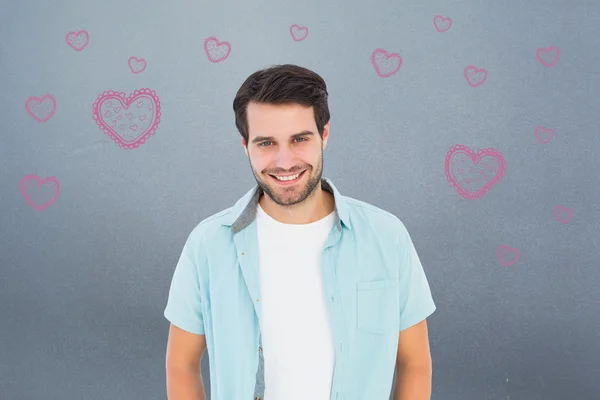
<point x="83" y="284"/>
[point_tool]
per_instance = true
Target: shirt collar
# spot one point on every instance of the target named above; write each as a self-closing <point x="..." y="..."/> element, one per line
<point x="244" y="210"/>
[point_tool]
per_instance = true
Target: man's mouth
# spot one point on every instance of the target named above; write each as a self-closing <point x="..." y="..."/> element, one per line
<point x="287" y="180"/>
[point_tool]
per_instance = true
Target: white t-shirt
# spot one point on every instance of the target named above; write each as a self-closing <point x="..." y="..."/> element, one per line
<point x="297" y="341"/>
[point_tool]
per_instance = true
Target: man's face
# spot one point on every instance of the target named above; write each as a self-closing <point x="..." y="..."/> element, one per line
<point x="283" y="140"/>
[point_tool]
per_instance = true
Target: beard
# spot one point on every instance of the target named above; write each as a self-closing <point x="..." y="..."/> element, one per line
<point x="295" y="194"/>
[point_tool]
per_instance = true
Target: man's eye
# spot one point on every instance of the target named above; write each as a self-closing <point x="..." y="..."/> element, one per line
<point x="261" y="144"/>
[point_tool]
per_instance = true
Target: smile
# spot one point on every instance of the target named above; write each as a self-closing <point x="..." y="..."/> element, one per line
<point x="287" y="180"/>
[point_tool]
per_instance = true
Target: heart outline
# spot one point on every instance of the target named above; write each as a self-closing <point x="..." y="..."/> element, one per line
<point x="39" y="100"/>
<point x="133" y="63"/>
<point x="567" y="210"/>
<point x="540" y="129"/>
<point x="40" y="182"/>
<point x="219" y="43"/>
<point x="81" y="32"/>
<point x="547" y="50"/>
<point x="298" y="28"/>
<point x="476" y="70"/>
<point x="127" y="101"/>
<point x="509" y="250"/>
<point x="443" y="19"/>
<point x="475" y="157"/>
<point x="387" y="56"/>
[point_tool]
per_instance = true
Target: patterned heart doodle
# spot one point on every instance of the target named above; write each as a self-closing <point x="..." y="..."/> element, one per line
<point x="216" y="50"/>
<point x="39" y="193"/>
<point x="298" y="32"/>
<point x="508" y="256"/>
<point x="386" y="64"/>
<point x="77" y="40"/>
<point x="441" y="23"/>
<point x="473" y="174"/>
<point x="130" y="120"/>
<point x="475" y="76"/>
<point x="41" y="108"/>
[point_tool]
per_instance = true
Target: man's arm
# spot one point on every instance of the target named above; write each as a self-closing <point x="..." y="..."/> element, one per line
<point x="184" y="353"/>
<point x="413" y="364"/>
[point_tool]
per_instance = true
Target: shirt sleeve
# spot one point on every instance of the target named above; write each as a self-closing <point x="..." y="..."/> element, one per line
<point x="184" y="303"/>
<point x="416" y="302"/>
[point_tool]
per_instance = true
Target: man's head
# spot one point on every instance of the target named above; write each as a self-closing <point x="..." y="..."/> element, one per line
<point x="283" y="117"/>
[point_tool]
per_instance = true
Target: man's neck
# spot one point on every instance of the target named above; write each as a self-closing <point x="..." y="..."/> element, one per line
<point x="316" y="207"/>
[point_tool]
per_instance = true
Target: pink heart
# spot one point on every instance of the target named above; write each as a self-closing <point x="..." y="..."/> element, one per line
<point x="548" y="56"/>
<point x="41" y="108"/>
<point x="39" y="193"/>
<point x="120" y="135"/>
<point x="473" y="174"/>
<point x="77" y="40"/>
<point x="544" y="135"/>
<point x="563" y="214"/>
<point x="385" y="64"/>
<point x="508" y="256"/>
<point x="475" y="76"/>
<point x="442" y="24"/>
<point x="215" y="50"/>
<point x="298" y="32"/>
<point x="136" y="65"/>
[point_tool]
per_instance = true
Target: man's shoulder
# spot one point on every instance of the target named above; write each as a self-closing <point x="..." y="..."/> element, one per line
<point x="364" y="214"/>
<point x="211" y="226"/>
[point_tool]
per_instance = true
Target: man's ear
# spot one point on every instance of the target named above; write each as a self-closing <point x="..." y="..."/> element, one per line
<point x="326" y="134"/>
<point x="244" y="146"/>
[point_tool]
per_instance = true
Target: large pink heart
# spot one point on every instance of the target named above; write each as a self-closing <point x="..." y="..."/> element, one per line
<point x="473" y="174"/>
<point x="130" y="120"/>
<point x="39" y="193"/>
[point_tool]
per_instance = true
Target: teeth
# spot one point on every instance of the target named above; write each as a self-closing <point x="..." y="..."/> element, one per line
<point x="287" y="178"/>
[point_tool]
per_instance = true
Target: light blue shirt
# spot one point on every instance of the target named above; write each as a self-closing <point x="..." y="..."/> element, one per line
<point x="373" y="280"/>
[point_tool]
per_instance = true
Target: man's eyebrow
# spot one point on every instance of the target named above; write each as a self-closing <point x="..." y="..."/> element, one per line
<point x="295" y="135"/>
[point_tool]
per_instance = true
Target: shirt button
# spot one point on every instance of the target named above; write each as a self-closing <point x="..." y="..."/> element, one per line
<point x="260" y="349"/>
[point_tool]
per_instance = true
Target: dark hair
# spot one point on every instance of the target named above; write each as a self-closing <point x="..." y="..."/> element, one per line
<point x="282" y="84"/>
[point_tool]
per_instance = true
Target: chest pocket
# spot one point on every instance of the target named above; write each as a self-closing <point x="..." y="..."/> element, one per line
<point x="377" y="306"/>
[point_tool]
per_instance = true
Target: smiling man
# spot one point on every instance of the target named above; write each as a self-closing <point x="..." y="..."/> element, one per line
<point x="296" y="290"/>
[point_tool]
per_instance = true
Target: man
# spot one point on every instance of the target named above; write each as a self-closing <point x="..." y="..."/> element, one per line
<point x="297" y="291"/>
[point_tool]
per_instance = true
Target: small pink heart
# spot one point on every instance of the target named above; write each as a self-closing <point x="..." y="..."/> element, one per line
<point x="216" y="50"/>
<point x="136" y="65"/>
<point x="486" y="168"/>
<point x="386" y="64"/>
<point x="548" y="56"/>
<point x="41" y="108"/>
<point x="508" y="256"/>
<point x="39" y="193"/>
<point x="544" y="135"/>
<point x="475" y="76"/>
<point x="150" y="116"/>
<point x="77" y="40"/>
<point x="563" y="214"/>
<point x="442" y="24"/>
<point x="298" y="32"/>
